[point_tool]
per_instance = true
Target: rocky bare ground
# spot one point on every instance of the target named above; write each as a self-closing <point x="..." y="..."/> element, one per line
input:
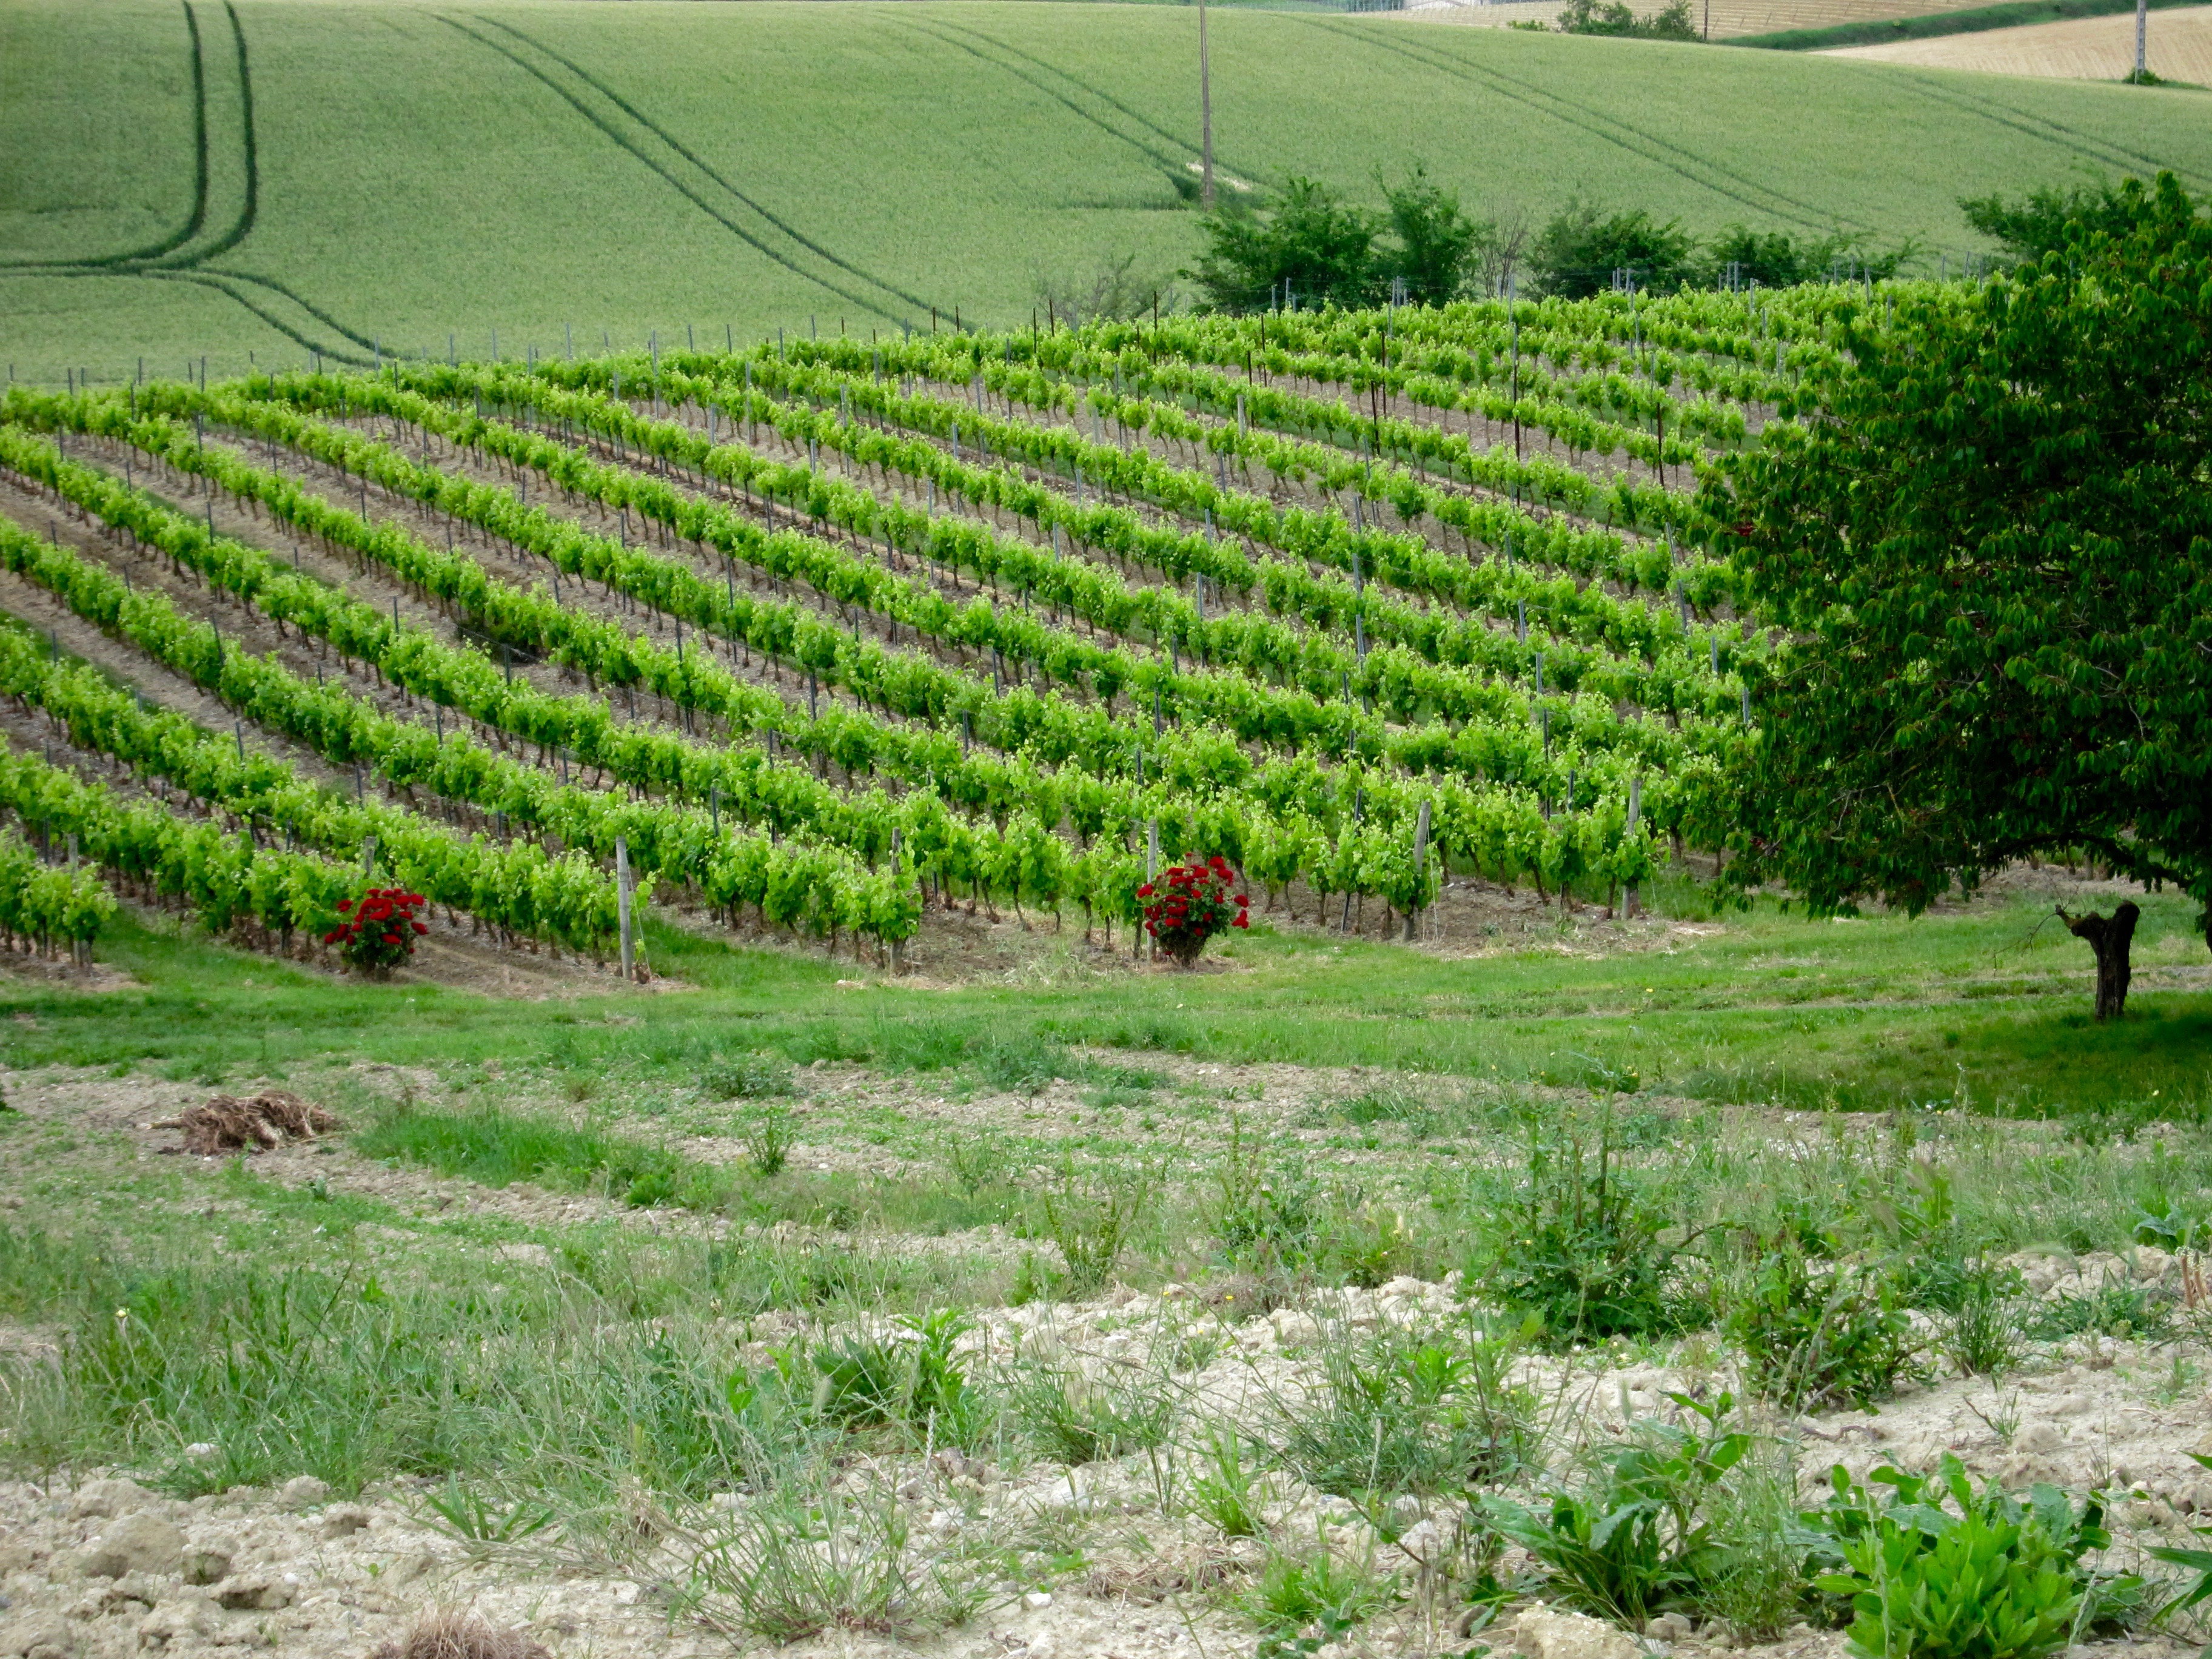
<point x="96" y="1566"/>
<point x="1107" y="1558"/>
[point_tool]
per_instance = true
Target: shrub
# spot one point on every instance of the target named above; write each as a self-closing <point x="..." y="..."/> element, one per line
<point x="1265" y="1209"/>
<point x="1189" y="904"/>
<point x="797" y="1562"/>
<point x="768" y="1132"/>
<point x="1393" y="1414"/>
<point x="1578" y="1244"/>
<point x="1077" y="1418"/>
<point x="1580" y="249"/>
<point x="1023" y="1066"/>
<point x="2113" y="1309"/>
<point x="1613" y="17"/>
<point x="746" y="1076"/>
<point x="914" y="1377"/>
<point x="1301" y="1601"/>
<point x="1838" y="1336"/>
<point x="1634" y="1540"/>
<point x="1323" y="249"/>
<point x="1223" y="1490"/>
<point x="1092" y="1222"/>
<point x="1993" y="1576"/>
<point x="379" y="932"/>
<point x="1761" y="1585"/>
<point x="1982" y="1336"/>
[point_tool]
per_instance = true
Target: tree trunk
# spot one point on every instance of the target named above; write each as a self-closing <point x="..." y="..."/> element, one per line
<point x="2110" y="937"/>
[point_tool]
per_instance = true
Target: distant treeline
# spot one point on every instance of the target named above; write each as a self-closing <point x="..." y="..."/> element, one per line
<point x="1311" y="246"/>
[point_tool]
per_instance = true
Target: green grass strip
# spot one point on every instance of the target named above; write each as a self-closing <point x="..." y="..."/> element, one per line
<point x="497" y="1149"/>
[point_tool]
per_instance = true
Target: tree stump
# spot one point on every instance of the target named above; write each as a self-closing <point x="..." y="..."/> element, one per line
<point x="2110" y="937"/>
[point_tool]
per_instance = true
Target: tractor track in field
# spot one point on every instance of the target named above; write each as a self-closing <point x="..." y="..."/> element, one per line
<point x="180" y="257"/>
<point x="691" y="192"/>
<point x="1649" y="146"/>
<point x="695" y="160"/>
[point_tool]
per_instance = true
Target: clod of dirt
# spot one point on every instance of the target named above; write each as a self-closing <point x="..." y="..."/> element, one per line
<point x="227" y="1124"/>
<point x="1542" y="1633"/>
<point x="36" y="1636"/>
<point x="137" y="1543"/>
<point x="459" y="1636"/>
<point x="102" y="1499"/>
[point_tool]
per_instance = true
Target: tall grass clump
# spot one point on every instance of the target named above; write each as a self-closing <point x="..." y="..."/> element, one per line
<point x="616" y="1368"/>
<point x="498" y="1148"/>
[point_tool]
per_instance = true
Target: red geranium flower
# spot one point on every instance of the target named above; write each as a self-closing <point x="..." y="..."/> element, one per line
<point x="380" y="930"/>
<point x="1188" y="903"/>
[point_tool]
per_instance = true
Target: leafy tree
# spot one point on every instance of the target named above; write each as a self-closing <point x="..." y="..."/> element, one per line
<point x="1578" y="253"/>
<point x="1324" y="248"/>
<point x="1114" y="290"/>
<point x="1613" y="17"/>
<point x="1438" y="244"/>
<point x="1991" y="562"/>
<point x="1775" y="259"/>
<point x="2044" y="221"/>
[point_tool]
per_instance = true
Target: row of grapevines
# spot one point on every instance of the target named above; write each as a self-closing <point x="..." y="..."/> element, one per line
<point x="1396" y="456"/>
<point x="223" y="877"/>
<point x="1316" y="456"/>
<point x="1579" y="412"/>
<point x="1587" y="412"/>
<point x="683" y="844"/>
<point x="517" y="888"/>
<point x="904" y="682"/>
<point x="644" y="756"/>
<point x="46" y="904"/>
<point x="1498" y="586"/>
<point x="1504" y="826"/>
<point x="1699" y="327"/>
<point x="796" y="885"/>
<point x="1411" y="349"/>
<point x="1502" y="588"/>
<point x="1469" y="657"/>
<point x="1493" y="716"/>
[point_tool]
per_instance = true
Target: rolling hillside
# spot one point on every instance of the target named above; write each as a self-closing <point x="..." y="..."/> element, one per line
<point x="256" y="177"/>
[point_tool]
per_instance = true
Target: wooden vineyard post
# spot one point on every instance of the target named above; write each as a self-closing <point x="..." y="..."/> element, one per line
<point x="1513" y="316"/>
<point x="621" y="900"/>
<point x="368" y="857"/>
<point x="1151" y="874"/>
<point x="1630" y="900"/>
<point x="1420" y="864"/>
<point x="899" y="946"/>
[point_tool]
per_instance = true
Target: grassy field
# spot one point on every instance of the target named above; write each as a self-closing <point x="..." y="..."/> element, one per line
<point x="1984" y="1007"/>
<point x="399" y="174"/>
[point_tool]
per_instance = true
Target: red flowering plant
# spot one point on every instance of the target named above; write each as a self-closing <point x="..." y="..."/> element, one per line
<point x="379" y="932"/>
<point x="1189" y="903"/>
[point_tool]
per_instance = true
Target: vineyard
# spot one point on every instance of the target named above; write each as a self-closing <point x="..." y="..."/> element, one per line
<point x="831" y="637"/>
<point x="1121" y="989"/>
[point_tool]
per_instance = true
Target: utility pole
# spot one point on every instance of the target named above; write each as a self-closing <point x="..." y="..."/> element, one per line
<point x="1205" y="102"/>
<point x="2143" y="15"/>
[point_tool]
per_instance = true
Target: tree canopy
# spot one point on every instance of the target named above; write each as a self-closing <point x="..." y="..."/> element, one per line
<point x="2043" y="222"/>
<point x="1989" y="561"/>
<point x="1613" y="17"/>
<point x="1578" y="252"/>
<point x="1329" y="252"/>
